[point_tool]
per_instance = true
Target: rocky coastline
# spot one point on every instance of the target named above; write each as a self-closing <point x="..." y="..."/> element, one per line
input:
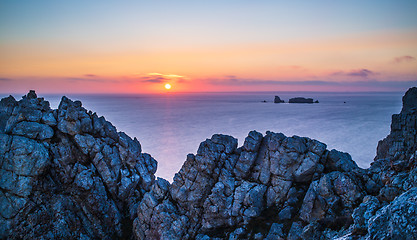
<point x="67" y="173"/>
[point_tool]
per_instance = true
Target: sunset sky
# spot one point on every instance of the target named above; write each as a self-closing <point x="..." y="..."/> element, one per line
<point x="138" y="46"/>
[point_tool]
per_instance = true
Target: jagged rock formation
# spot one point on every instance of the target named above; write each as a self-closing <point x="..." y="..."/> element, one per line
<point x="237" y="193"/>
<point x="67" y="173"/>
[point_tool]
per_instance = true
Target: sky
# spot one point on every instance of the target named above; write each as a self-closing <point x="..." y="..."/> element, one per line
<point x="207" y="46"/>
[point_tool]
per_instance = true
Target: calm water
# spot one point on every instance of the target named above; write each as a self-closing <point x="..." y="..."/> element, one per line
<point x="172" y="125"/>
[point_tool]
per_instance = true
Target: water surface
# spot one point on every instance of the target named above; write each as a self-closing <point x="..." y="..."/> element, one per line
<point x="169" y="126"/>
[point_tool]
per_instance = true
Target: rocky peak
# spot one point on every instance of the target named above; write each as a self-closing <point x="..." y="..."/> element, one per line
<point x="410" y="100"/>
<point x="400" y="145"/>
<point x="31" y="95"/>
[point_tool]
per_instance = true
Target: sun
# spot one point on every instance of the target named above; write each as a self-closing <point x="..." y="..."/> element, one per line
<point x="168" y="86"/>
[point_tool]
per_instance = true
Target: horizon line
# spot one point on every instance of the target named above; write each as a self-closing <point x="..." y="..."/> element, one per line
<point x="188" y="92"/>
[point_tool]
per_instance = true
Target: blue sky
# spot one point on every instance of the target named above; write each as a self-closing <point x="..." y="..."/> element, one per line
<point x="60" y="39"/>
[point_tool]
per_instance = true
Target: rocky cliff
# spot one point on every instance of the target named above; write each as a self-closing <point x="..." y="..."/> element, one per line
<point x="68" y="174"/>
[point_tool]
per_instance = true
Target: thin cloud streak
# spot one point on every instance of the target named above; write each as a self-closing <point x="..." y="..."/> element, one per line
<point x="404" y="59"/>
<point x="362" y="73"/>
<point x="152" y="79"/>
<point x="363" y="83"/>
<point x="90" y="75"/>
<point x="148" y="78"/>
<point x="246" y="82"/>
<point x="98" y="80"/>
<point x="160" y="78"/>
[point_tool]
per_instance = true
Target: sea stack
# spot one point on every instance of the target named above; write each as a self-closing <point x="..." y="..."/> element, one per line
<point x="278" y="100"/>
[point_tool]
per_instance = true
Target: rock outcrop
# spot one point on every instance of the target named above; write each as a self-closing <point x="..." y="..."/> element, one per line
<point x="277" y="99"/>
<point x="302" y="100"/>
<point x="67" y="173"/>
<point x="225" y="192"/>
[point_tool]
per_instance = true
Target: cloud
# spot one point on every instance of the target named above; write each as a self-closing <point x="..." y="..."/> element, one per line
<point x="385" y="84"/>
<point x="160" y="78"/>
<point x="245" y="82"/>
<point x="152" y="79"/>
<point x="370" y="84"/>
<point x="5" y="79"/>
<point x="89" y="79"/>
<point x="90" y="75"/>
<point x="148" y="78"/>
<point x="234" y="81"/>
<point x="362" y="73"/>
<point x="403" y="59"/>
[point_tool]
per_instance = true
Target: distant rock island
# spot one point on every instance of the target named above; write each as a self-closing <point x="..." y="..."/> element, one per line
<point x="67" y="173"/>
<point x="277" y="99"/>
<point x="302" y="100"/>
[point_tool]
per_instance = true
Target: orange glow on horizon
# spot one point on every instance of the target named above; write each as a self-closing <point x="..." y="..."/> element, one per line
<point x="213" y="68"/>
<point x="258" y="60"/>
<point x="140" y="47"/>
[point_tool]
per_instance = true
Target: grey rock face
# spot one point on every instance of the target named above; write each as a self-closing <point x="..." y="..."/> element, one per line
<point x="400" y="144"/>
<point x="62" y="176"/>
<point x="363" y="213"/>
<point x="68" y="174"/>
<point x="33" y="130"/>
<point x="410" y="100"/>
<point x="6" y="109"/>
<point x="23" y="160"/>
<point x="398" y="220"/>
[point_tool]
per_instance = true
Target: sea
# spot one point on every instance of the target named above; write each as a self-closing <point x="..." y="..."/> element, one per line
<point x="171" y="125"/>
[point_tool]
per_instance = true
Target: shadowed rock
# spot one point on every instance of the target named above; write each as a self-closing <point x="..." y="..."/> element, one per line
<point x="410" y="100"/>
